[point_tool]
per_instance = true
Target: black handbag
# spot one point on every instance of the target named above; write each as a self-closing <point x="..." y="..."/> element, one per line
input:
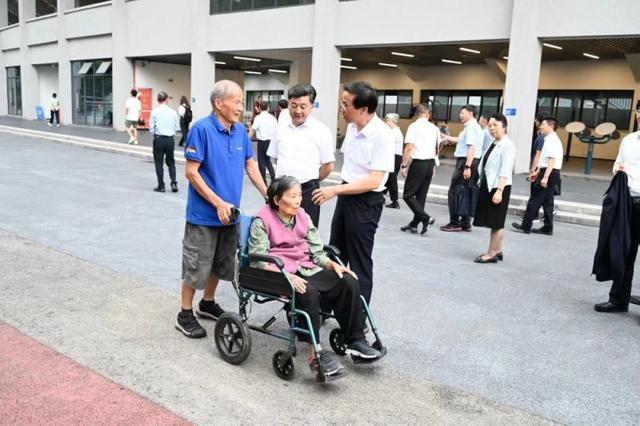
<point x="466" y="199"/>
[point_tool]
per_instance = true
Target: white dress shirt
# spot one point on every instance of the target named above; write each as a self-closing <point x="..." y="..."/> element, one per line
<point x="265" y="126"/>
<point x="399" y="139"/>
<point x="300" y="151"/>
<point x="424" y="136"/>
<point x="552" y="149"/>
<point x="284" y="117"/>
<point x="629" y="157"/>
<point x="133" y="107"/>
<point x="367" y="150"/>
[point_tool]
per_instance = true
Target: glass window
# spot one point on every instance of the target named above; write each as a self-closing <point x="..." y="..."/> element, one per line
<point x="457" y="102"/>
<point x="46" y="7"/>
<point x="81" y="3"/>
<point x="92" y="93"/>
<point x="405" y="103"/>
<point x="13" y="16"/>
<point x="395" y="101"/>
<point x="567" y="107"/>
<point x="490" y="103"/>
<point x="14" y="91"/>
<point x="593" y="109"/>
<point x="441" y="106"/>
<point x="545" y="102"/>
<point x="619" y="109"/>
<point x="224" y="6"/>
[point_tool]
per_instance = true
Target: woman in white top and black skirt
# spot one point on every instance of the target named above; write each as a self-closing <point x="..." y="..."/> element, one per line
<point x="496" y="178"/>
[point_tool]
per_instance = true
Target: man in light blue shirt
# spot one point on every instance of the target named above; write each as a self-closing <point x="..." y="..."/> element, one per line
<point x="163" y="125"/>
<point x="468" y="153"/>
<point x="488" y="139"/>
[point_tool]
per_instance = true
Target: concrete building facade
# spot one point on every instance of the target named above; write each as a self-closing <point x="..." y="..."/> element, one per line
<point x="93" y="52"/>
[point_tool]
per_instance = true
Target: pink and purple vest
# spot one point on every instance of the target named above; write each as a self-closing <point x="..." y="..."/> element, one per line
<point x="289" y="245"/>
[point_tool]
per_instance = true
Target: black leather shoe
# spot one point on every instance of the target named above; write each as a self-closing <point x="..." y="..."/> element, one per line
<point x="635" y="300"/>
<point x="174" y="187"/>
<point x="521" y="227"/>
<point x="409" y="228"/>
<point x="610" y="307"/>
<point x="500" y="256"/>
<point x="426" y="224"/>
<point x="480" y="259"/>
<point x="545" y="230"/>
<point x="159" y="189"/>
<point x="393" y="205"/>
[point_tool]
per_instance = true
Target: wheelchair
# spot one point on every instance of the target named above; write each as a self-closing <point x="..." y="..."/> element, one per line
<point x="252" y="285"/>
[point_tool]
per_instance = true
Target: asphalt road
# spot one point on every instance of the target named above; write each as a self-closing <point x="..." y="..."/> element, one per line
<point x="521" y="333"/>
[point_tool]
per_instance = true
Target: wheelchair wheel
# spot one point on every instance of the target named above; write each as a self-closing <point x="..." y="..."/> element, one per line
<point x="336" y="339"/>
<point x="283" y="365"/>
<point x="232" y="338"/>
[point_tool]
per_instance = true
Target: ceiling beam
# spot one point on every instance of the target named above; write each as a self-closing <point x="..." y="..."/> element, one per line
<point x="498" y="66"/>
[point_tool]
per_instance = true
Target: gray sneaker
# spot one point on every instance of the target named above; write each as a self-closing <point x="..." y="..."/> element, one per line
<point x="331" y="367"/>
<point x="361" y="349"/>
<point x="188" y="325"/>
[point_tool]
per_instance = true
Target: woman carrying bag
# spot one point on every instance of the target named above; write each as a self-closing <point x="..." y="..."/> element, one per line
<point x="496" y="177"/>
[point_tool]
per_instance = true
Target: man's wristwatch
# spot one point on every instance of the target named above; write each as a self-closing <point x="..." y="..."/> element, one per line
<point x="404" y="166"/>
<point x="466" y="167"/>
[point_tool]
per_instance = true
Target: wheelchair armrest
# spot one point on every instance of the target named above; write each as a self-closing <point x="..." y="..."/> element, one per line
<point x="332" y="251"/>
<point x="267" y="258"/>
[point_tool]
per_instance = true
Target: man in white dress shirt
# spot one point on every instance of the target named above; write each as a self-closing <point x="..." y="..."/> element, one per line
<point x="264" y="128"/>
<point x="283" y="112"/>
<point x="421" y="146"/>
<point x="545" y="180"/>
<point x="303" y="147"/>
<point x="368" y="150"/>
<point x="628" y="161"/>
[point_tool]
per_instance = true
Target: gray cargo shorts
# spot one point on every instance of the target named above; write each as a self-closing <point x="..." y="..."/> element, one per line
<point x="208" y="252"/>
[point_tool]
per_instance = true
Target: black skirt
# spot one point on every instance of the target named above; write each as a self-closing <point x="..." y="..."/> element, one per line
<point x="488" y="214"/>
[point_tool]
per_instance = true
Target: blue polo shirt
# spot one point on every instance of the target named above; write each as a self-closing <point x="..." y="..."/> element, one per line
<point x="222" y="155"/>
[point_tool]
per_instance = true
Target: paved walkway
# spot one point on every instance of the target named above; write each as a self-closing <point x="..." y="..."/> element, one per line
<point x="466" y="341"/>
<point x="575" y="186"/>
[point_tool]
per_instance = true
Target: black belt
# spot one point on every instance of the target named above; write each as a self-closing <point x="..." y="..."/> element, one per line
<point x="635" y="200"/>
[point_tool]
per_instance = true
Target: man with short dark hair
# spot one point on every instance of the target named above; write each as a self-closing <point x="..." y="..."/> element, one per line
<point x="283" y="112"/>
<point x="163" y="125"/>
<point x="368" y="150"/>
<point x="545" y="180"/>
<point x="418" y="165"/>
<point x="468" y="153"/>
<point x="303" y="147"/>
<point x="264" y="128"/>
<point x="218" y="152"/>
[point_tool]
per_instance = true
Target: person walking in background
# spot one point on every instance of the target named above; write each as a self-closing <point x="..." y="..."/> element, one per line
<point x="284" y="117"/>
<point x="133" y="106"/>
<point x="496" y="177"/>
<point x="418" y="165"/>
<point x="468" y="153"/>
<point x="163" y="126"/>
<point x="483" y="121"/>
<point x="392" y="120"/>
<point x="545" y="180"/>
<point x="264" y="128"/>
<point x="54" y="108"/>
<point x="186" y="116"/>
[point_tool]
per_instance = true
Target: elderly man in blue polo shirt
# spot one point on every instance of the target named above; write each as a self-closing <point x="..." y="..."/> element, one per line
<point x="218" y="151"/>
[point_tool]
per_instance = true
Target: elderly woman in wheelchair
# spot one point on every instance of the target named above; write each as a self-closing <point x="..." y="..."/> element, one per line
<point x="282" y="229"/>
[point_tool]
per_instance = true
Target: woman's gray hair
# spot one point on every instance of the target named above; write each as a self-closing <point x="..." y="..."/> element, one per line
<point x="278" y="187"/>
<point x="393" y="117"/>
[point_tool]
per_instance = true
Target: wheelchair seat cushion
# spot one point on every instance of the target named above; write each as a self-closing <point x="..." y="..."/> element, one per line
<point x="267" y="282"/>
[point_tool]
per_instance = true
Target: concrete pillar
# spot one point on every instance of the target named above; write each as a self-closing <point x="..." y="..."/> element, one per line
<point x="4" y="14"/>
<point x="122" y="67"/>
<point x="203" y="67"/>
<point x="325" y="63"/>
<point x="28" y="10"/>
<point x="28" y="73"/>
<point x="523" y="75"/>
<point x="65" y="5"/>
<point x="65" y="91"/>
<point x="299" y="72"/>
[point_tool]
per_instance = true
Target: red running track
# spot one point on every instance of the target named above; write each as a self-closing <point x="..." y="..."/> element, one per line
<point x="41" y="386"/>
